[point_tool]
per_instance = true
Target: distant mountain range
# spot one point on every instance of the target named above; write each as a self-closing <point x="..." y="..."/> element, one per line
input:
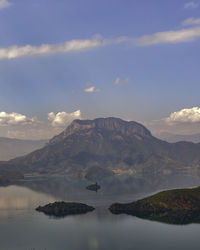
<point x="11" y="148"/>
<point x="108" y="146"/>
<point x="176" y="138"/>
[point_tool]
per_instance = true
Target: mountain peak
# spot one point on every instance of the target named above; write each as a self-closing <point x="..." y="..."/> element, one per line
<point x="111" y="124"/>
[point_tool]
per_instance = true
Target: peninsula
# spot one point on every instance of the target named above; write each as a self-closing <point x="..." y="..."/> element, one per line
<point x="178" y="206"/>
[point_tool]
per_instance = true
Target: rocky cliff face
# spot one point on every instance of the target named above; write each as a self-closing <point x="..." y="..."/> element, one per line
<point x="112" y="144"/>
<point x="109" y="124"/>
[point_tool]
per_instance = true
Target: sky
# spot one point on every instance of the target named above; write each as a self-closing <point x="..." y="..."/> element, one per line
<point x="134" y="59"/>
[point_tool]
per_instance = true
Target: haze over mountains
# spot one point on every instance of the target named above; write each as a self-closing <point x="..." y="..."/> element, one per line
<point x="11" y="148"/>
<point x="178" y="137"/>
<point x="107" y="146"/>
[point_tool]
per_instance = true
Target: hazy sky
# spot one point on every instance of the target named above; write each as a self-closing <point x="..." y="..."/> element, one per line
<point x="65" y="59"/>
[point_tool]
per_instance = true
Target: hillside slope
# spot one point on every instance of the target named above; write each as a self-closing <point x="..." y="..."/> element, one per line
<point x="178" y="206"/>
<point x="113" y="145"/>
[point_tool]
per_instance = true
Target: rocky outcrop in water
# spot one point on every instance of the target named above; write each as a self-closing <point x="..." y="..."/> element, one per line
<point x="93" y="187"/>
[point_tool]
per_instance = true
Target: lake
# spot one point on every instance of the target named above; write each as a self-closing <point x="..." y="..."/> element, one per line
<point x="23" y="228"/>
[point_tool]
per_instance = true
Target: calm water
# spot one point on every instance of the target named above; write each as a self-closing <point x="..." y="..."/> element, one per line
<point x="22" y="228"/>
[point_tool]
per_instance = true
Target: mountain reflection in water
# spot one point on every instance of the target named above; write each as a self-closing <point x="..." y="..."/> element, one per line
<point x="118" y="187"/>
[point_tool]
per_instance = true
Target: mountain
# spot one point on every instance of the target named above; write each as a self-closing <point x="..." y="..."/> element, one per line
<point x="11" y="148"/>
<point x="176" y="137"/>
<point x="113" y="145"/>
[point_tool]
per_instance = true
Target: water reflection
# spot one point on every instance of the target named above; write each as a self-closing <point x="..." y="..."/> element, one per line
<point x="22" y="228"/>
<point x="16" y="197"/>
<point x="172" y="217"/>
<point x="119" y="188"/>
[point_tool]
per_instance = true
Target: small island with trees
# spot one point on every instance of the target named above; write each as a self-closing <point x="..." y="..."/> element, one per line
<point x="61" y="208"/>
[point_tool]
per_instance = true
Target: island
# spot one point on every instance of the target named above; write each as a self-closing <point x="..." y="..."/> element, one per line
<point x="178" y="206"/>
<point x="93" y="187"/>
<point x="61" y="208"/>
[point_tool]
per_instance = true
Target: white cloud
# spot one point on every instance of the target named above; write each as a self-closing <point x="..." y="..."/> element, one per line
<point x="177" y="36"/>
<point x="118" y="81"/>
<point x="185" y="121"/>
<point x="172" y="36"/>
<point x="20" y="126"/>
<point x="191" y="21"/>
<point x="15" y="119"/>
<point x="91" y="89"/>
<point x="188" y="115"/>
<point x="47" y="49"/>
<point x="4" y="4"/>
<point x="191" y="5"/>
<point x="62" y="119"/>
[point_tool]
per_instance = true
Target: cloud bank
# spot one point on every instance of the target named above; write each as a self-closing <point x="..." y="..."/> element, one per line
<point x="62" y="119"/>
<point x="15" y="119"/>
<point x="178" y="36"/>
<point x="185" y="121"/>
<point x="188" y="115"/>
<point x="47" y="49"/>
<point x="15" y="125"/>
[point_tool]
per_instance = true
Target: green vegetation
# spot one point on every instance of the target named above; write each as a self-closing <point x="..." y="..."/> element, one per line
<point x="178" y="206"/>
<point x="187" y="198"/>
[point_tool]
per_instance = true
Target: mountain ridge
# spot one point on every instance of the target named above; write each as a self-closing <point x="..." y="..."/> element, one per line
<point x="109" y="123"/>
<point x="173" y="138"/>
<point x="111" y="144"/>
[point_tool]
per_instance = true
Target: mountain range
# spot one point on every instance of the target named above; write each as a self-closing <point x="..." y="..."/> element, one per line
<point x="178" y="137"/>
<point x="108" y="146"/>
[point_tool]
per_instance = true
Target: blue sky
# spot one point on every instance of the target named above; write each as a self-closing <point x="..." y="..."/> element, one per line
<point x="136" y="59"/>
